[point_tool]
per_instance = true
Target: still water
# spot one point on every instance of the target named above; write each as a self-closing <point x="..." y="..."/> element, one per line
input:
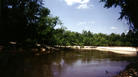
<point x="76" y="64"/>
<point x="68" y="64"/>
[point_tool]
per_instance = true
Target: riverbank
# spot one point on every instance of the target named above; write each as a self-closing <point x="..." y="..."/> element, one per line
<point x="132" y="51"/>
<point x="130" y="71"/>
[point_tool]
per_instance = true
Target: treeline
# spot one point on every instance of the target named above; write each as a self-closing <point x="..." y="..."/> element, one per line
<point x="25" y="22"/>
<point x="87" y="38"/>
<point x="28" y="22"/>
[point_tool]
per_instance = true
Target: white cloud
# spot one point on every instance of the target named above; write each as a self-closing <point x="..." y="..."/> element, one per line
<point x="114" y="28"/>
<point x="83" y="4"/>
<point x="84" y="1"/>
<point x="71" y="2"/>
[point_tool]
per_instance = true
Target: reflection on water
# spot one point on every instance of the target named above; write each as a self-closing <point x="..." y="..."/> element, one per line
<point x="67" y="64"/>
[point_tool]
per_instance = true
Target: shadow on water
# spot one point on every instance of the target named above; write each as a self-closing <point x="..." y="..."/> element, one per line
<point x="73" y="63"/>
<point x="11" y="65"/>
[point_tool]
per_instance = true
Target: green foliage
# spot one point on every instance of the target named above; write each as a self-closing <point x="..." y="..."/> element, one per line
<point x="128" y="10"/>
<point x="26" y="21"/>
<point x="87" y="38"/>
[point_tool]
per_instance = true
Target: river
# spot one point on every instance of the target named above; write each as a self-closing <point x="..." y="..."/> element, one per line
<point x="66" y="63"/>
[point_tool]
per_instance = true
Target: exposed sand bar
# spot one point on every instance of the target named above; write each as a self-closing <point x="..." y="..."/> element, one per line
<point x="119" y="50"/>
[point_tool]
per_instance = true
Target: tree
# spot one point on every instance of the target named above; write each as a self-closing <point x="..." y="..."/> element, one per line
<point x="18" y="16"/>
<point x="128" y="10"/>
<point x="45" y="29"/>
<point x="26" y="21"/>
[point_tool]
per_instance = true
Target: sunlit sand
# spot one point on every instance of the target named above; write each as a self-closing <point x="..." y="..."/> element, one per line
<point x="120" y="50"/>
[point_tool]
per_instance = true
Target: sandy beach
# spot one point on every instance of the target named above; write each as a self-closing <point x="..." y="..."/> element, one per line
<point x="120" y="50"/>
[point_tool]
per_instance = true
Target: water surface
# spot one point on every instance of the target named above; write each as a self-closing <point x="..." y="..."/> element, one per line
<point x="76" y="64"/>
<point x="71" y="63"/>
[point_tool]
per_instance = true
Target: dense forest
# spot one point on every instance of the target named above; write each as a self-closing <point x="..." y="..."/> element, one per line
<point x="28" y="22"/>
<point x="87" y="38"/>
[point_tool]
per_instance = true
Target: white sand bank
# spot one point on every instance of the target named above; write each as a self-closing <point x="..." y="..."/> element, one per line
<point x="119" y="50"/>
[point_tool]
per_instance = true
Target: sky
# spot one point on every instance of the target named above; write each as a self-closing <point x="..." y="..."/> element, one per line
<point x="90" y="15"/>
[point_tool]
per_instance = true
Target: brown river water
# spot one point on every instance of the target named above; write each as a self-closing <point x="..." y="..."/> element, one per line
<point x="71" y="63"/>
